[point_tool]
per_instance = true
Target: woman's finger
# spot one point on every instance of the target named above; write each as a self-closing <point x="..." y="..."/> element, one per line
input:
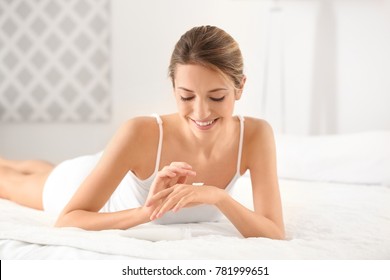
<point x="160" y="195"/>
<point x="164" y="207"/>
<point x="171" y="199"/>
<point x="174" y="171"/>
<point x="182" y="203"/>
<point x="181" y="164"/>
<point x="181" y="171"/>
<point x="154" y="214"/>
<point x="167" y="205"/>
<point x="165" y="176"/>
<point x="167" y="198"/>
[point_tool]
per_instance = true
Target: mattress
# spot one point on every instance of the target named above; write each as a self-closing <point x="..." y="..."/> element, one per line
<point x="323" y="220"/>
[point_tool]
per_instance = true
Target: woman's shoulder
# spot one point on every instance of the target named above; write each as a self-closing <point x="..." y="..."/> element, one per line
<point x="140" y="125"/>
<point x="255" y="128"/>
<point x="137" y="138"/>
<point x="139" y="130"/>
<point x="259" y="135"/>
<point x="140" y="121"/>
<point x="259" y="142"/>
<point x="152" y="120"/>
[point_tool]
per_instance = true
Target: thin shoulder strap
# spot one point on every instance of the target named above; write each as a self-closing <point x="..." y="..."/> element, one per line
<point x="242" y="120"/>
<point x="158" y="157"/>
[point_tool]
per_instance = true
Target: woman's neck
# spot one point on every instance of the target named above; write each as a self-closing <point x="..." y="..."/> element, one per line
<point x="203" y="143"/>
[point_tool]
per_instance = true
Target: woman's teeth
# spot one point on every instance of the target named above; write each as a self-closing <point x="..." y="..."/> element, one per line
<point x="204" y="123"/>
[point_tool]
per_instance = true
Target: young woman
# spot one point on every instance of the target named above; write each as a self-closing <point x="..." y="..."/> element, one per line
<point x="171" y="169"/>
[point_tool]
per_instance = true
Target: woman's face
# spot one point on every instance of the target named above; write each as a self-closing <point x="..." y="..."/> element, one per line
<point x="205" y="98"/>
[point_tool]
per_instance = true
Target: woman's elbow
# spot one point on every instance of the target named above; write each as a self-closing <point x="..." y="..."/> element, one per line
<point x="274" y="236"/>
<point x="59" y="222"/>
<point x="275" y="233"/>
<point x="63" y="220"/>
<point x="280" y="235"/>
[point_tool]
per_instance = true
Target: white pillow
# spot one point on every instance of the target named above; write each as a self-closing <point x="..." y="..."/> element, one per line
<point x="362" y="158"/>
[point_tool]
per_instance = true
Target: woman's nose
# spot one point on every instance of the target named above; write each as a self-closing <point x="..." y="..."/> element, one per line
<point x="201" y="110"/>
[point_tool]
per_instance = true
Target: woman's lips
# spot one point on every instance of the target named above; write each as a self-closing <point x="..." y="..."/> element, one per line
<point x="204" y="125"/>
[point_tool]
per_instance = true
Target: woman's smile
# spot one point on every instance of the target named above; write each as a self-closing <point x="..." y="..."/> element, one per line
<point x="205" y="124"/>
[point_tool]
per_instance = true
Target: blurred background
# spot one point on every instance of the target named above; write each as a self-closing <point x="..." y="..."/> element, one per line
<point x="72" y="71"/>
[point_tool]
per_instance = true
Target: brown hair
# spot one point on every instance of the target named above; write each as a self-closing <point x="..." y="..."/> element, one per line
<point x="211" y="47"/>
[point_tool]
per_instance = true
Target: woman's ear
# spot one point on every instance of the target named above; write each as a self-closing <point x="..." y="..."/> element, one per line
<point x="241" y="89"/>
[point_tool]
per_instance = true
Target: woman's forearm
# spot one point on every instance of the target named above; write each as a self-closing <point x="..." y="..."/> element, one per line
<point x="247" y="222"/>
<point x="99" y="221"/>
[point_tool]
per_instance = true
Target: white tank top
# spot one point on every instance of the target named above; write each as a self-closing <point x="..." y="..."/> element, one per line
<point x="132" y="192"/>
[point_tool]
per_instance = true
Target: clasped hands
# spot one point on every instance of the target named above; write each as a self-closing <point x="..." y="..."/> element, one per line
<point x="169" y="191"/>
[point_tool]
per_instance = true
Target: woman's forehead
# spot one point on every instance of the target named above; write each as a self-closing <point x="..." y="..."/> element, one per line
<point x="198" y="74"/>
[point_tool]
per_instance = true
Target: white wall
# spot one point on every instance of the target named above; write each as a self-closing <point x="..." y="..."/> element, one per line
<point x="340" y="48"/>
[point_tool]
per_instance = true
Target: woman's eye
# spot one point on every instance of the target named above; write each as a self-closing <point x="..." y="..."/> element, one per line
<point x="217" y="99"/>
<point x="211" y="98"/>
<point x="186" y="98"/>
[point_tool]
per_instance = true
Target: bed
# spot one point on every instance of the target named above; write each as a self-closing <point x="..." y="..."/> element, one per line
<point x="336" y="201"/>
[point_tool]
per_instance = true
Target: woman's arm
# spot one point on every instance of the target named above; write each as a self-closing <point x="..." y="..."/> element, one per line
<point x="266" y="220"/>
<point x="249" y="223"/>
<point x="119" y="157"/>
<point x="99" y="221"/>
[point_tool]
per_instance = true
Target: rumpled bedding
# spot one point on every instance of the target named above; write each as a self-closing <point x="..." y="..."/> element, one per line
<point x="323" y="221"/>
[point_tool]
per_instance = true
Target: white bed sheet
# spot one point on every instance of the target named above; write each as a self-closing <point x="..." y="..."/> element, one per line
<point x="323" y="221"/>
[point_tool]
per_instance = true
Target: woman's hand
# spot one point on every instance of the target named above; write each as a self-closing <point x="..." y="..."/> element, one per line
<point x="182" y="195"/>
<point x="175" y="173"/>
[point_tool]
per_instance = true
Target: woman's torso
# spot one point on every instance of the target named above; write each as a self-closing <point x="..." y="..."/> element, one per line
<point x="216" y="168"/>
<point x="221" y="167"/>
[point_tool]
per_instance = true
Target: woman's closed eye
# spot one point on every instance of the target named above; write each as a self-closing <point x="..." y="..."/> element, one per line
<point x="182" y="98"/>
<point x="219" y="99"/>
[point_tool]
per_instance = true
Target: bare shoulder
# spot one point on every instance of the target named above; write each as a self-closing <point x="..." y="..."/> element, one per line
<point x="134" y="139"/>
<point x="259" y="141"/>
<point x="257" y="129"/>
<point x="140" y="127"/>
<point x="140" y="133"/>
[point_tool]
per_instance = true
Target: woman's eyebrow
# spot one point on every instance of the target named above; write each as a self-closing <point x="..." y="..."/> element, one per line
<point x="185" y="89"/>
<point x="210" y="91"/>
<point x="217" y="89"/>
